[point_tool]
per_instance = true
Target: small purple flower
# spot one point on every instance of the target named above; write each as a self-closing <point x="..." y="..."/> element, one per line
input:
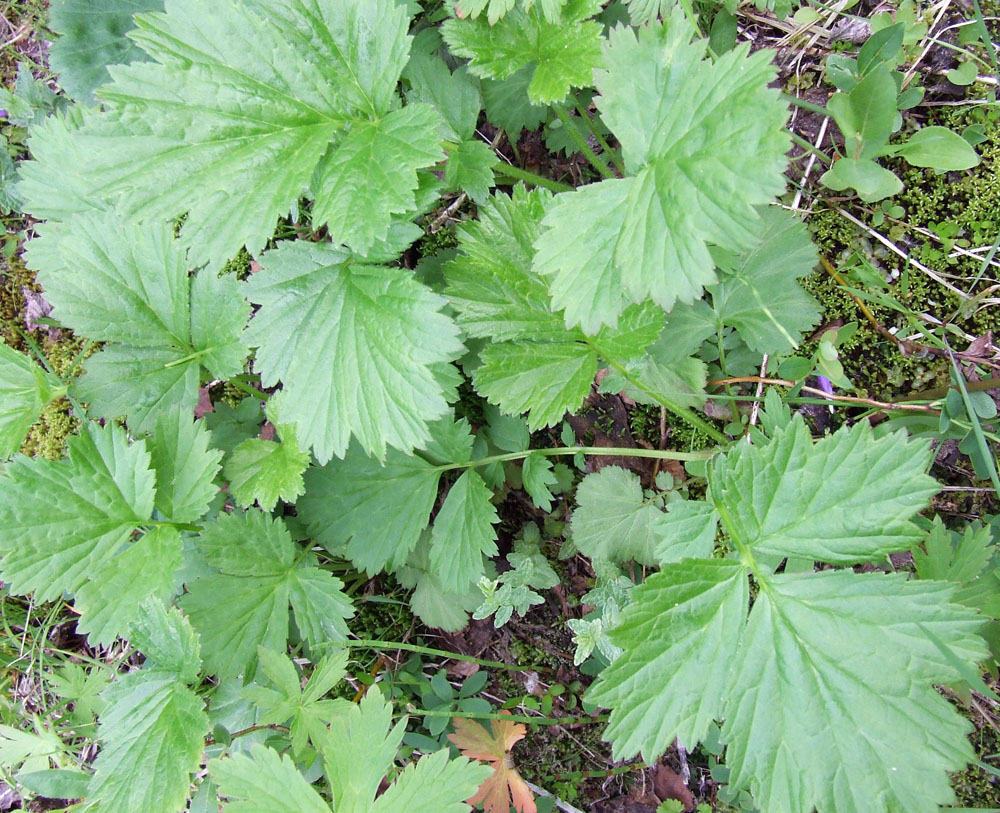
<point x="3" y="114"/>
<point x="824" y="384"/>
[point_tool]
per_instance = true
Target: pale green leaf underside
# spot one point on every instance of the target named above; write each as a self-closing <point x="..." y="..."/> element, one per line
<point x="353" y="347"/>
<point x="25" y="389"/>
<point x="703" y="143"/>
<point x="612" y="521"/>
<point x="836" y="709"/>
<point x="844" y="499"/>
<point x="152" y="735"/>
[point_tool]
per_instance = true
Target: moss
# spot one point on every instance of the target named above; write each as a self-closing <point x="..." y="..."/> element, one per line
<point x="975" y="787"/>
<point x="13" y="278"/>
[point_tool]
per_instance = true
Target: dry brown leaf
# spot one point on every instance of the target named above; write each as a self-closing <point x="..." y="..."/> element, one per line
<point x="504" y="787"/>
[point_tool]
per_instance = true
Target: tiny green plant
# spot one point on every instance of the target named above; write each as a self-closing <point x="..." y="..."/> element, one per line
<point x="215" y="547"/>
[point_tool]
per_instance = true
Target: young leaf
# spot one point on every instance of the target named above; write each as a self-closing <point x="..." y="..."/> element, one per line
<point x="563" y="51"/>
<point x="278" y="81"/>
<point x="333" y="331"/>
<point x="245" y="605"/>
<point x="25" y="389"/>
<point x="470" y="168"/>
<point x="263" y="471"/>
<point x="504" y="787"/>
<point x="537" y="476"/>
<point x="679" y="118"/>
<point x="309" y="713"/>
<point x="91" y="37"/>
<point x="128" y="285"/>
<point x="872" y="182"/>
<point x="463" y="533"/>
<point x="940" y="148"/>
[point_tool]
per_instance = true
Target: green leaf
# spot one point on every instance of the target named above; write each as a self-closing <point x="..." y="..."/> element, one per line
<point x="940" y="148"/>
<point x="691" y="180"/>
<point x="167" y="640"/>
<point x="612" y="520"/>
<point x="230" y="427"/>
<point x="950" y="557"/>
<point x="333" y="332"/>
<point x="435" y="784"/>
<point x="309" y="713"/>
<point x="507" y="105"/>
<point x="118" y="282"/>
<point x="373" y="175"/>
<point x="264" y="471"/>
<point x="430" y="601"/>
<point x="185" y="466"/>
<point x="866" y="114"/>
<point x="246" y="604"/>
<point x="672" y="680"/>
<point x="687" y="532"/>
<point x="563" y="51"/>
<point x="111" y="599"/>
<point x="263" y="781"/>
<point x="470" y="168"/>
<point x="91" y="37"/>
<point x="64" y="520"/>
<point x="833" y="653"/>
<point x="342" y="497"/>
<point x="537" y="476"/>
<point x="463" y="532"/>
<point x="871" y="181"/>
<point x="57" y="783"/>
<point x="454" y="95"/>
<point x="844" y="499"/>
<point x="25" y="389"/>
<point x="759" y="296"/>
<point x="232" y="117"/>
<point x="152" y="734"/>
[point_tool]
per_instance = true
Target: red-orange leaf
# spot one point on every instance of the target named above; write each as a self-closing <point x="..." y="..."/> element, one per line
<point x="505" y="787"/>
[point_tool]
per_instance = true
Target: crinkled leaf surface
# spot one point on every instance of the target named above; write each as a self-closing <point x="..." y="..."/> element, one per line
<point x="63" y="520"/>
<point x="118" y="282"/>
<point x="152" y="733"/>
<point x="703" y="143"/>
<point x="167" y="639"/>
<point x="185" y="466"/>
<point x="25" y="389"/>
<point x="234" y="114"/>
<point x="245" y="605"/>
<point x="563" y="51"/>
<point x="91" y="37"/>
<point x="353" y="346"/>
<point x="470" y="168"/>
<point x="760" y="296"/>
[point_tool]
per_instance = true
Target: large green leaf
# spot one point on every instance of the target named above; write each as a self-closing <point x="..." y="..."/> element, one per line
<point x="185" y="466"/>
<point x="353" y="345"/>
<point x="234" y="115"/>
<point x="265" y="780"/>
<point x="843" y="499"/>
<point x="463" y="532"/>
<point x="703" y="143"/>
<point x="64" y="520"/>
<point x="563" y="51"/>
<point x="128" y="285"/>
<point x="25" y="389"/>
<point x="91" y="37"/>
<point x="246" y="604"/>
<point x="152" y="735"/>
<point x="826" y="656"/>
<point x="678" y="633"/>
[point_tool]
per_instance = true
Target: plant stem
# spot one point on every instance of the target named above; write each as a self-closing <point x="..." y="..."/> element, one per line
<point x="514" y="718"/>
<point x="248" y="389"/>
<point x="848" y="399"/>
<point x="812" y="108"/>
<point x="519" y="174"/>
<point x="582" y="144"/>
<point x="612" y="154"/>
<point x="572" y="450"/>
<point x="437" y="653"/>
